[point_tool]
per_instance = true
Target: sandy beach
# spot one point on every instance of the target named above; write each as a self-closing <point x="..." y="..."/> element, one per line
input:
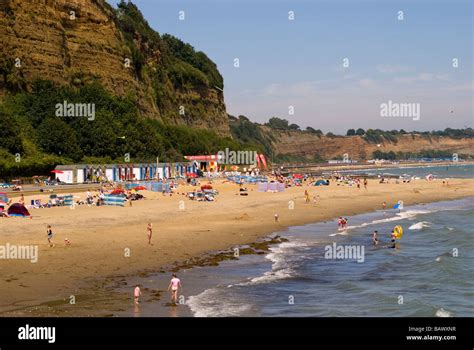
<point x="101" y="237"/>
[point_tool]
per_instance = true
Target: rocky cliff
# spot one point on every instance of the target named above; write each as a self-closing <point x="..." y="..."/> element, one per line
<point x="77" y="42"/>
<point x="298" y="143"/>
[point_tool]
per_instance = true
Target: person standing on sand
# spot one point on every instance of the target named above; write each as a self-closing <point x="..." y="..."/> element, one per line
<point x="137" y="293"/>
<point x="307" y="198"/>
<point x="365" y="183"/>
<point x="149" y="230"/>
<point x="175" y="285"/>
<point x="277" y="217"/>
<point x="384" y="205"/>
<point x="22" y="199"/>
<point x="50" y="236"/>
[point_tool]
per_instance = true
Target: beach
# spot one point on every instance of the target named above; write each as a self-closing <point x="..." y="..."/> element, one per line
<point x="109" y="244"/>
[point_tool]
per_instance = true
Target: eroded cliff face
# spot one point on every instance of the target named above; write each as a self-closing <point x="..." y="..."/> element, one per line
<point x="307" y="144"/>
<point x="76" y="42"/>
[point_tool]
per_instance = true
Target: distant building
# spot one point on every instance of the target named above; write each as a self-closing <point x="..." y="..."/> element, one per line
<point x="89" y="173"/>
<point x="339" y="161"/>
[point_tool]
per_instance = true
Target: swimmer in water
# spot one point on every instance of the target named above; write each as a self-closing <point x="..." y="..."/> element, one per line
<point x="393" y="241"/>
<point x="375" y="239"/>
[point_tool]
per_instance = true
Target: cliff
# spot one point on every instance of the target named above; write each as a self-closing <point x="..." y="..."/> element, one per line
<point x="309" y="145"/>
<point x="74" y="43"/>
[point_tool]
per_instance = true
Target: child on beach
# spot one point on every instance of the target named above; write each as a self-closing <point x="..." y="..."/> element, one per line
<point x="277" y="217"/>
<point x="307" y="198"/>
<point x="175" y="285"/>
<point x="149" y="231"/>
<point x="384" y="205"/>
<point x="137" y="293"/>
<point x="50" y="236"/>
<point x="67" y="242"/>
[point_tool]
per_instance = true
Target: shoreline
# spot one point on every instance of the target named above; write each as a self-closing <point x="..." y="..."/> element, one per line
<point x="325" y="167"/>
<point x="94" y="292"/>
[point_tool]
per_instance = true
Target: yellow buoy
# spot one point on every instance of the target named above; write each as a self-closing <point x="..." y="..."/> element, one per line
<point x="398" y="231"/>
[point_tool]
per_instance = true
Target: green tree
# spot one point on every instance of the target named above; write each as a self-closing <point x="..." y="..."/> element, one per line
<point x="351" y="132"/>
<point x="277" y="123"/>
<point x="10" y="133"/>
<point x="56" y="137"/>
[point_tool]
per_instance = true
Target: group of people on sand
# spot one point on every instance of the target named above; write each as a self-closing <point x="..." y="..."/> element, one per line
<point x="49" y="233"/>
<point x="307" y="197"/>
<point x="174" y="287"/>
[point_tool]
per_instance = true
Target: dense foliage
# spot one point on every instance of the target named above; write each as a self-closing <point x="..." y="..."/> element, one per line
<point x="29" y="127"/>
<point x="431" y="154"/>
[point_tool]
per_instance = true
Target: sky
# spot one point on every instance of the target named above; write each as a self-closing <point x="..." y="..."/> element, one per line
<point x="296" y="69"/>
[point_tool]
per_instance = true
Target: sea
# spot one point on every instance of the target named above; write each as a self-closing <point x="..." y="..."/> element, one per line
<point x="458" y="170"/>
<point x="326" y="272"/>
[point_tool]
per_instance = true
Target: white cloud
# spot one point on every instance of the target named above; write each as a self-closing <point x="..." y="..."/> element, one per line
<point x="392" y="68"/>
<point x="422" y="77"/>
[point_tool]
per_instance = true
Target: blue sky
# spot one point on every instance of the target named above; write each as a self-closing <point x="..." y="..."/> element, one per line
<point x="299" y="63"/>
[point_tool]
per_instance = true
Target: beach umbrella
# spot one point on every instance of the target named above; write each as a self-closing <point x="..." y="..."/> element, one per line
<point x="57" y="172"/>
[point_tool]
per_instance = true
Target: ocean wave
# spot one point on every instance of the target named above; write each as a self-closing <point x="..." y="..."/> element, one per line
<point x="409" y="214"/>
<point x="420" y="225"/>
<point x="443" y="313"/>
<point x="211" y="303"/>
<point x="283" y="263"/>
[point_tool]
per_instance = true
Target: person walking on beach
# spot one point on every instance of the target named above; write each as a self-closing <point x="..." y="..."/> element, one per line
<point x="365" y="183"/>
<point x="375" y="239"/>
<point x="137" y="293"/>
<point x="175" y="285"/>
<point x="307" y="198"/>
<point x="149" y="230"/>
<point x="49" y="232"/>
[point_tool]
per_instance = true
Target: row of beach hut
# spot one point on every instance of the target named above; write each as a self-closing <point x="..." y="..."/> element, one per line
<point x="89" y="173"/>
